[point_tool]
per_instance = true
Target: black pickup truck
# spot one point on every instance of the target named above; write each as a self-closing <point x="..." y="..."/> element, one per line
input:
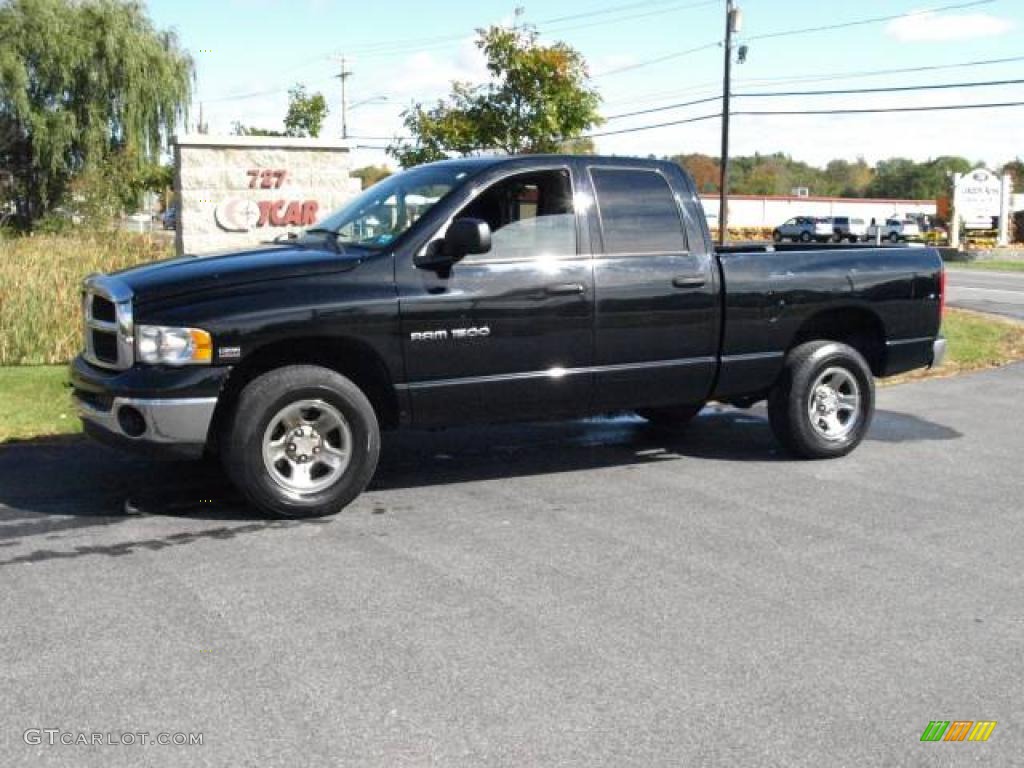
<point x="486" y="290"/>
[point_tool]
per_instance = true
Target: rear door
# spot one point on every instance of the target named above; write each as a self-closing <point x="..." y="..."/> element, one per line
<point x="656" y="291"/>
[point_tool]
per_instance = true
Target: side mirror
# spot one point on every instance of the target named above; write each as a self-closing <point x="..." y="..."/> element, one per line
<point x="463" y="238"/>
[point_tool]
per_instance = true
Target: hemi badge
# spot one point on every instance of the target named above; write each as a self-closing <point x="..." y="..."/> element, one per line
<point x="229" y="353"/>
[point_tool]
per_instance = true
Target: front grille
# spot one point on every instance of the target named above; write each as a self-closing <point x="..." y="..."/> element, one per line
<point x="107" y="309"/>
<point x="104" y="346"/>
<point x="104" y="309"/>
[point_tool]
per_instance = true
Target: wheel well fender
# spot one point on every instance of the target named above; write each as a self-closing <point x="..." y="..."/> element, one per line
<point x="857" y="327"/>
<point x="350" y="357"/>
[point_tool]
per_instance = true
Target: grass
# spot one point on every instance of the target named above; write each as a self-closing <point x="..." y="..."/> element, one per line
<point x="34" y="401"/>
<point x="994" y="265"/>
<point x="40" y="279"/>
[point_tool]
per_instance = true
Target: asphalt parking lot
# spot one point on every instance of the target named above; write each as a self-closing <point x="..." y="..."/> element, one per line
<point x="589" y="593"/>
<point x="1000" y="293"/>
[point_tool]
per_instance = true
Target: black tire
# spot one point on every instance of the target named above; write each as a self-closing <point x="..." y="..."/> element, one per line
<point x="789" y="401"/>
<point x="805" y="237"/>
<point x="777" y="236"/>
<point x="670" y="417"/>
<point x="837" y="237"/>
<point x="262" y="401"/>
<point x="894" y="238"/>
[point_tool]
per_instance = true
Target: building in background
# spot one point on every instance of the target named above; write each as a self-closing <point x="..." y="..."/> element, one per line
<point x="753" y="211"/>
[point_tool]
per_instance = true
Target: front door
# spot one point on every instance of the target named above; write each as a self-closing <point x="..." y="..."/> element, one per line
<point x="505" y="335"/>
<point x="656" y="305"/>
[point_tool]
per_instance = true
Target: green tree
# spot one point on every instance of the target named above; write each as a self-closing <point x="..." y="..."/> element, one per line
<point x="899" y="177"/>
<point x="538" y="98"/>
<point x="371" y="174"/>
<point x="81" y="81"/>
<point x="1016" y="170"/>
<point x="237" y="129"/>
<point x="306" y="112"/>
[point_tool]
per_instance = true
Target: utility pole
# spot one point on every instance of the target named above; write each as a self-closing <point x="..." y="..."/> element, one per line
<point x="344" y="75"/>
<point x="733" y="21"/>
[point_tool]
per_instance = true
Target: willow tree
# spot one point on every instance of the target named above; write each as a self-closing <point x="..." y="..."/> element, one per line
<point x="82" y="81"/>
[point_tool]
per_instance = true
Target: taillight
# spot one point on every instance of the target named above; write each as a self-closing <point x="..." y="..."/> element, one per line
<point x="942" y="291"/>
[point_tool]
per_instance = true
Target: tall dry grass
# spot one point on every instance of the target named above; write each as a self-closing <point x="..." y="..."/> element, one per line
<point x="40" y="282"/>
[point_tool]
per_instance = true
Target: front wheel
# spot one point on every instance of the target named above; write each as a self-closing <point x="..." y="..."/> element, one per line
<point x="304" y="442"/>
<point x="777" y="236"/>
<point x="824" y="401"/>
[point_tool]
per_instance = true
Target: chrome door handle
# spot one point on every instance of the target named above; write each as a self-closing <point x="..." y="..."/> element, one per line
<point x="688" y="281"/>
<point x="565" y="289"/>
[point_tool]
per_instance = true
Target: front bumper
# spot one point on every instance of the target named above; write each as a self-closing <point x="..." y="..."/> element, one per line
<point x="176" y="428"/>
<point x="163" y="412"/>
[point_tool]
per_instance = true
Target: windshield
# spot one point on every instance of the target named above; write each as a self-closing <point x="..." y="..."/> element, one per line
<point x="385" y="211"/>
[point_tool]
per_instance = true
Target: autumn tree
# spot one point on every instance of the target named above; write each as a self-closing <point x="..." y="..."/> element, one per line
<point x="537" y="99"/>
<point x="706" y="171"/>
<point x="371" y="174"/>
<point x="84" y="83"/>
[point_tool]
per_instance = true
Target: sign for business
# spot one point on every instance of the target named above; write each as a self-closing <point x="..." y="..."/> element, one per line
<point x="978" y="199"/>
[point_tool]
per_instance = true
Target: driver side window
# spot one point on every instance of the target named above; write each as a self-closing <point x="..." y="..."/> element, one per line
<point x="531" y="216"/>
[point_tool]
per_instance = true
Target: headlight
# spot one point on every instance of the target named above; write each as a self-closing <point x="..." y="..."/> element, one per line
<point x="158" y="345"/>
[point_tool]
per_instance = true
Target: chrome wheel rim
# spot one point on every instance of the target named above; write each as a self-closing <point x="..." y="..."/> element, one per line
<point x="834" y="404"/>
<point x="307" y="447"/>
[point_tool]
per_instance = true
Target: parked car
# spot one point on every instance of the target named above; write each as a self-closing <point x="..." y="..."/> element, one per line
<point x="804" y="229"/>
<point x="895" y="230"/>
<point x="849" y="229"/>
<point x="506" y="300"/>
<point x="169" y="220"/>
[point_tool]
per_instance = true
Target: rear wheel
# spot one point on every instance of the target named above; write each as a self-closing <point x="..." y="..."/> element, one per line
<point x="805" y="237"/>
<point x="304" y="442"/>
<point x="894" y="237"/>
<point x="671" y="417"/>
<point x="823" y="404"/>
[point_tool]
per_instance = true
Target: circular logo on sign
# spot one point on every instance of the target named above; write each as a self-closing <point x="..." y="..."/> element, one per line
<point x="981" y="175"/>
<point x="237" y="215"/>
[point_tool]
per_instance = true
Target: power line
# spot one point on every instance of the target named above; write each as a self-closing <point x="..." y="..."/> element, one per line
<point x="433" y="43"/>
<point x="890" y="89"/>
<point x="798" y="112"/>
<point x="658" y="60"/>
<point x="834" y="92"/>
<point x="666" y="108"/>
<point x="790" y="32"/>
<point x="824" y="78"/>
<point x="885" y="110"/>
<point x="862" y="22"/>
<point x="656" y="125"/>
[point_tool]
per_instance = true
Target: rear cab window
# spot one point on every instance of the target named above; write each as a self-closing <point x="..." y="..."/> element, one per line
<point x="638" y="212"/>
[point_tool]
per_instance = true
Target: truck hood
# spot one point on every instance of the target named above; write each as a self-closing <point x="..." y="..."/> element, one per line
<point x="197" y="274"/>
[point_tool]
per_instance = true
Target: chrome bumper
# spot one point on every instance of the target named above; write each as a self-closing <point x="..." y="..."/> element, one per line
<point x="179" y="425"/>
<point x="938" y="351"/>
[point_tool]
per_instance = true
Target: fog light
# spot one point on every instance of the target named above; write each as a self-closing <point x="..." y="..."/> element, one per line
<point x="132" y="422"/>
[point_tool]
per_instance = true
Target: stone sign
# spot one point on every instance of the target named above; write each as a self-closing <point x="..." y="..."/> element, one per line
<point x="237" y="191"/>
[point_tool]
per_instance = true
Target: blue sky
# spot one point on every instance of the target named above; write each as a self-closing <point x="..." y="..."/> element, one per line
<point x="249" y="52"/>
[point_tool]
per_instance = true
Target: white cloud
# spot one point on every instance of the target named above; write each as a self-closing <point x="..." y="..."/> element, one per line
<point x="935" y="27"/>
